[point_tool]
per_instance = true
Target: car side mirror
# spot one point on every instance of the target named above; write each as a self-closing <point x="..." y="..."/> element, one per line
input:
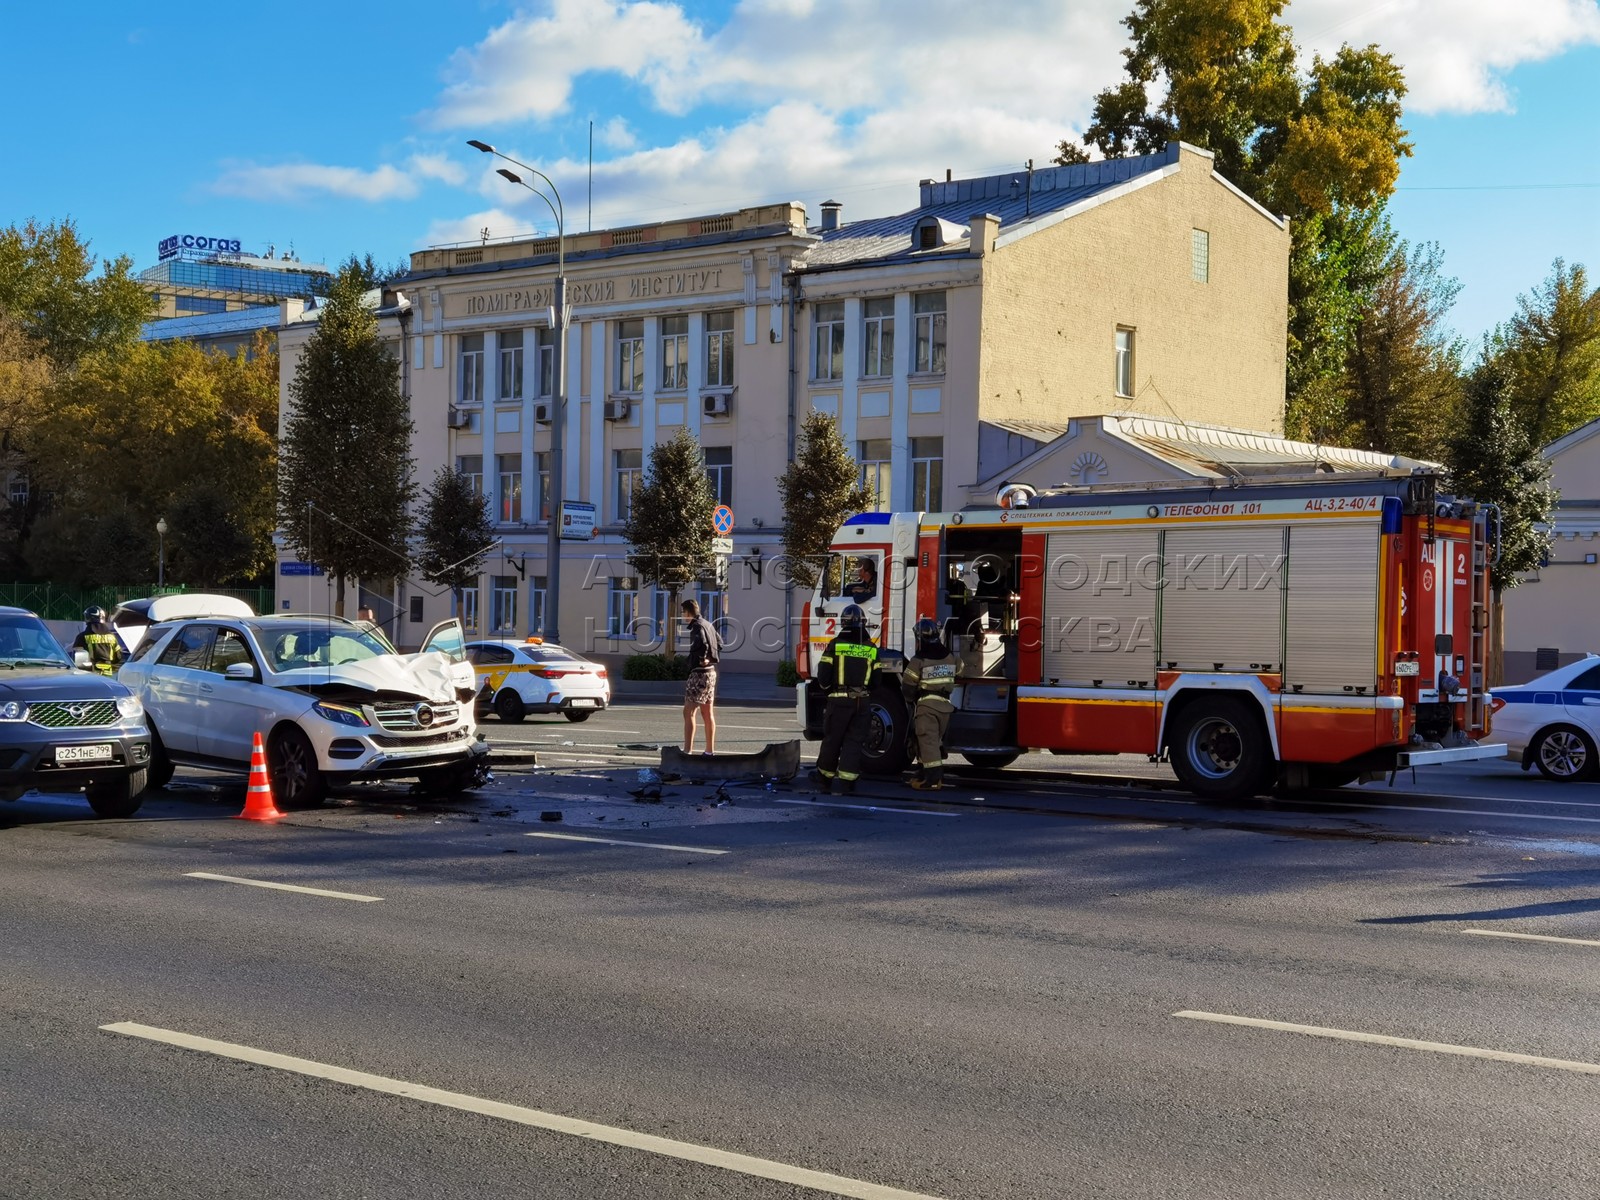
<point x="80" y="658"/>
<point x="240" y="671"/>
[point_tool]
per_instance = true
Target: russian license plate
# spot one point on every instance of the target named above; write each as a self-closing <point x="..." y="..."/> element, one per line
<point x="581" y="703"/>
<point x="100" y="752"/>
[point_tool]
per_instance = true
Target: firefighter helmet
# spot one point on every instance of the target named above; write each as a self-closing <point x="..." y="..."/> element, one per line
<point x="927" y="630"/>
<point x="853" y="619"/>
<point x="94" y="614"/>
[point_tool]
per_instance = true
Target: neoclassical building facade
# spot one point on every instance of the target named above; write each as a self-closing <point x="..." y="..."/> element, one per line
<point x="948" y="341"/>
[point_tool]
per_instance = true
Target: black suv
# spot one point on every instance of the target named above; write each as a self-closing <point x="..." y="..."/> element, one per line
<point x="63" y="729"/>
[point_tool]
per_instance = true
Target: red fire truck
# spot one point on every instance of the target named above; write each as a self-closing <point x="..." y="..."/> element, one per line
<point x="1272" y="634"/>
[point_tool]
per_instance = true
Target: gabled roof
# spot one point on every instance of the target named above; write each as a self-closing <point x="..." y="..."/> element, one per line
<point x="1578" y="436"/>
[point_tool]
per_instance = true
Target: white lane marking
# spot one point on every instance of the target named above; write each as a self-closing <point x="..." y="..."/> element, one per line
<point x="1380" y="1039"/>
<point x="912" y="812"/>
<point x="1530" y="937"/>
<point x="282" y="887"/>
<point x="573" y="837"/>
<point x="728" y="1160"/>
<point x="1470" y="812"/>
<point x="1484" y="799"/>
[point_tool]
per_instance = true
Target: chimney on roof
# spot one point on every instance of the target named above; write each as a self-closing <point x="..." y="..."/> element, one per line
<point x="830" y="215"/>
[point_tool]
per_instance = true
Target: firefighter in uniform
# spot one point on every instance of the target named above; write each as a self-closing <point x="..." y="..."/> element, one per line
<point x="845" y="673"/>
<point x="100" y="641"/>
<point x="928" y="680"/>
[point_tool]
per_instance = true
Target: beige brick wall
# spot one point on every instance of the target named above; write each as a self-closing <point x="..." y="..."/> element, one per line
<point x="1211" y="352"/>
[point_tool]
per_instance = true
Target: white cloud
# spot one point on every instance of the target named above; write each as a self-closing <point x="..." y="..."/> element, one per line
<point x="437" y="166"/>
<point x="297" y="181"/>
<point x="616" y="135"/>
<point x="1455" y="53"/>
<point x="498" y="222"/>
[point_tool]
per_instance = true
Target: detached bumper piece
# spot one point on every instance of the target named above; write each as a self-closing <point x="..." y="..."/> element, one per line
<point x="1435" y="755"/>
<point x="780" y="760"/>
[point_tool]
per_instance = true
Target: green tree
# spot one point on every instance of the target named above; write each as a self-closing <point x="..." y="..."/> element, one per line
<point x="1401" y="384"/>
<point x="455" y="533"/>
<point x="1550" y="353"/>
<point x="26" y="375"/>
<point x="669" y="523"/>
<point x="48" y="286"/>
<point x="366" y="268"/>
<point x="819" y="489"/>
<point x="1323" y="147"/>
<point x="346" y="473"/>
<point x="1492" y="460"/>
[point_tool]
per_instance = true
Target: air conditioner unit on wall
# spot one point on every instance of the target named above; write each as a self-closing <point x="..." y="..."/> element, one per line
<point x="541" y="412"/>
<point x="618" y="408"/>
<point x="716" y="404"/>
<point x="457" y="418"/>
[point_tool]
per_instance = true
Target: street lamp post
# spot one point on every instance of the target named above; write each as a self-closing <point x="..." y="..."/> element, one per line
<point x="161" y="559"/>
<point x="558" y="415"/>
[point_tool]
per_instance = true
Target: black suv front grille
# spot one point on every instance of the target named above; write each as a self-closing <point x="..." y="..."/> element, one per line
<point x="73" y="714"/>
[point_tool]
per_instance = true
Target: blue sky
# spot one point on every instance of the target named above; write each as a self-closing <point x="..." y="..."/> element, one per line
<point x="342" y="127"/>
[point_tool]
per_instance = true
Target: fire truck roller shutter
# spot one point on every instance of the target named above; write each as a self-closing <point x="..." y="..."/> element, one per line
<point x="1222" y="603"/>
<point x="1101" y="587"/>
<point x="1332" y="580"/>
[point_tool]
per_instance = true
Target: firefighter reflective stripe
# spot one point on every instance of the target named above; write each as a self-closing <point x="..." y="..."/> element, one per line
<point x="850" y="665"/>
<point x="103" y="650"/>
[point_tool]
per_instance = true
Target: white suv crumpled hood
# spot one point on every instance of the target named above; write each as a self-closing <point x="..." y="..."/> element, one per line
<point x="428" y="676"/>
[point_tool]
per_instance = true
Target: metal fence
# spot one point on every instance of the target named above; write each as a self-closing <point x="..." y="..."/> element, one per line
<point x="56" y="603"/>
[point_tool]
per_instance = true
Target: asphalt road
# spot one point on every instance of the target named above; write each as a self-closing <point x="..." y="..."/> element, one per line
<point x="971" y="998"/>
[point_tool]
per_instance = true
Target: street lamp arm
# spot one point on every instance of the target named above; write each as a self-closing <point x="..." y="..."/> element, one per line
<point x="560" y="212"/>
<point x="517" y="179"/>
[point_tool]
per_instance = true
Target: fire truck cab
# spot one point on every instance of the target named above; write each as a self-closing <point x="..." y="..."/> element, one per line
<point x="1279" y="634"/>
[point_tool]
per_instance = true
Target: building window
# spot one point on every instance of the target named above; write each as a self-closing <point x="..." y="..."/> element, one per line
<point x="674" y="353"/>
<point x="713" y="605"/>
<point x="471" y="465"/>
<point x="414" y="615"/>
<point x="503" y="604"/>
<point x="630" y="356"/>
<point x="719" y="473"/>
<point x="1124" y="380"/>
<point x="471" y="368"/>
<point x="467" y="613"/>
<point x="544" y="349"/>
<point x="536" y="590"/>
<point x="877" y="337"/>
<point x="18" y="489"/>
<point x="873" y="455"/>
<point x="541" y="467"/>
<point x="622" y="605"/>
<point x="827" y="338"/>
<point x="927" y="310"/>
<point x="508" y="468"/>
<point x="511" y="364"/>
<point x="927" y="474"/>
<point x="199" y="304"/>
<point x="629" y="469"/>
<point x="719" y="349"/>
<point x="1200" y="255"/>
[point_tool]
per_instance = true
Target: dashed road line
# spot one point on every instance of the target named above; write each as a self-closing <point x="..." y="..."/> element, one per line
<point x="574" y="837"/>
<point x="1530" y="937"/>
<point x="727" y="1160"/>
<point x="912" y="812"/>
<point x="282" y="887"/>
<point x="1379" y="1039"/>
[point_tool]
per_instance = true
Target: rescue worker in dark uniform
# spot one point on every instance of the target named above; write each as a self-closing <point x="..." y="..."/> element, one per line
<point x="928" y="680"/>
<point x="845" y="673"/>
<point x="97" y="638"/>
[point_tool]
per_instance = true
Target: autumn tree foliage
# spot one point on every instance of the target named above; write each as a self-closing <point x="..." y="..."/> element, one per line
<point x="819" y="489"/>
<point x="668" y="527"/>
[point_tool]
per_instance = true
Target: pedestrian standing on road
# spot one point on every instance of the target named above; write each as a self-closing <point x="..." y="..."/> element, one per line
<point x="845" y="674"/>
<point x="700" y="691"/>
<point x="929" y="679"/>
<point x="99" y="639"/>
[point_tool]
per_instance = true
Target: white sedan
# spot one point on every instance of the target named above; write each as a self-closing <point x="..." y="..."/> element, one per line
<point x="1553" y="722"/>
<point x="536" y="676"/>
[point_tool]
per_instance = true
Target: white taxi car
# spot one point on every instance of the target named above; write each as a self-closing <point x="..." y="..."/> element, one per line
<point x="536" y="676"/>
<point x="1553" y="722"/>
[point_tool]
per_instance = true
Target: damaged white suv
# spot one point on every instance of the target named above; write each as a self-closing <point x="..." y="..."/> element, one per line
<point x="333" y="703"/>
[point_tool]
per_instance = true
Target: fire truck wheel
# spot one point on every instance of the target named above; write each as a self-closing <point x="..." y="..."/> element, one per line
<point x="1565" y="753"/>
<point x="991" y="760"/>
<point x="885" y="751"/>
<point x="1220" y="750"/>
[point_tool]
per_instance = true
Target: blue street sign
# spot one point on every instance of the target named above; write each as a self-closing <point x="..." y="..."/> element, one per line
<point x="722" y="520"/>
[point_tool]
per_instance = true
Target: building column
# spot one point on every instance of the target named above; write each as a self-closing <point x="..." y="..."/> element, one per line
<point x="900" y="407"/>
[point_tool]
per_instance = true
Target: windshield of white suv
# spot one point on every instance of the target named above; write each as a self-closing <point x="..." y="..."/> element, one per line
<point x="26" y="642"/>
<point x="295" y="647"/>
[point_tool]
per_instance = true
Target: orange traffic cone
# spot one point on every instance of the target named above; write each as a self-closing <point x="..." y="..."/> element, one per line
<point x="258" y="805"/>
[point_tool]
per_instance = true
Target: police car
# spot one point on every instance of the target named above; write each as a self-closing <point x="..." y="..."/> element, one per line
<point x="536" y="676"/>
<point x="1553" y="722"/>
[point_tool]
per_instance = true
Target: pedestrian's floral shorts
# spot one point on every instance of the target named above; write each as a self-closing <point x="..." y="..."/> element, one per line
<point x="701" y="687"/>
